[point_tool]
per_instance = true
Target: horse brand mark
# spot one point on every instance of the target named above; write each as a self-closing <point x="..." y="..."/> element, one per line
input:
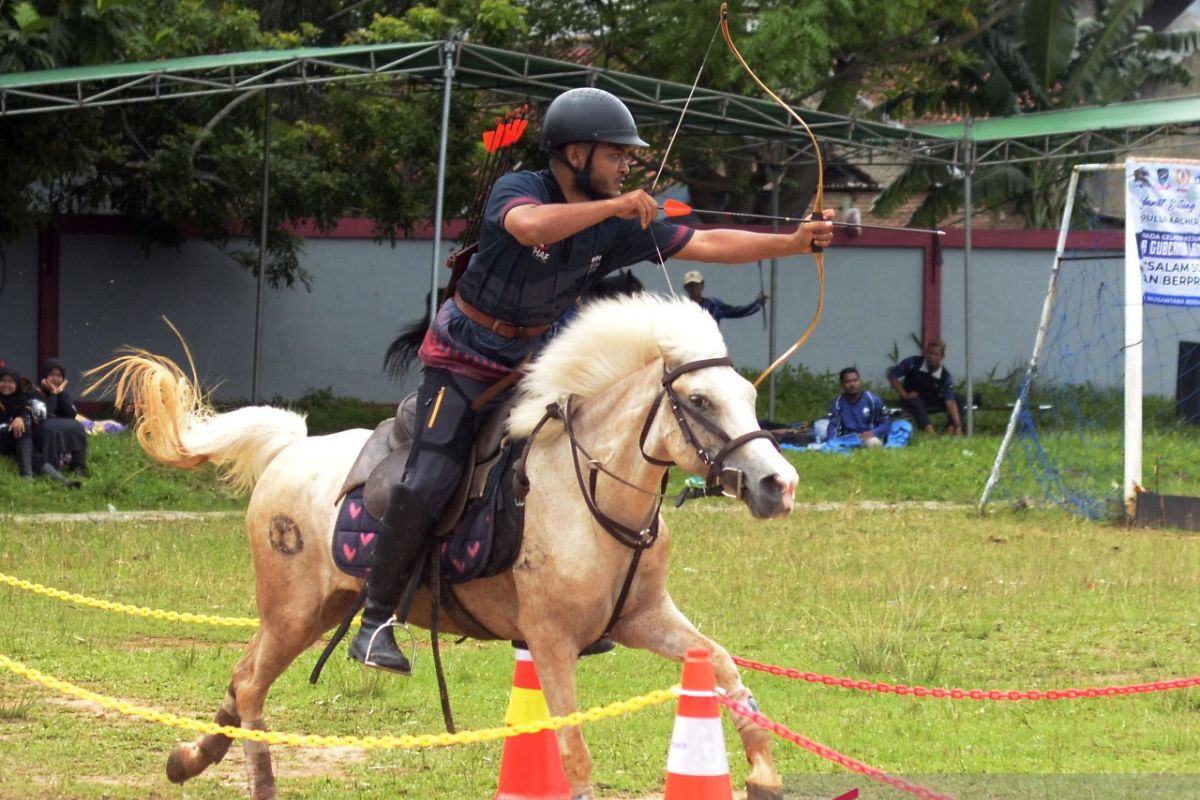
<point x="285" y="535"/>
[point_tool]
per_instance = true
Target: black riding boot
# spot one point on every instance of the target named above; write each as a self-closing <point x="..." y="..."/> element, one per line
<point x="402" y="534"/>
<point x="79" y="464"/>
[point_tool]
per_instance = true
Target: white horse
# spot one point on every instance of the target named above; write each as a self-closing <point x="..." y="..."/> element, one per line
<point x="642" y="383"/>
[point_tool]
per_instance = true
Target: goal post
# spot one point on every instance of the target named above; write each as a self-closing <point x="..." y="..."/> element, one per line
<point x="1156" y="262"/>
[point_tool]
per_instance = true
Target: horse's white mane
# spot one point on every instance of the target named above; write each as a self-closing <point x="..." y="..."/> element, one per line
<point x="609" y="340"/>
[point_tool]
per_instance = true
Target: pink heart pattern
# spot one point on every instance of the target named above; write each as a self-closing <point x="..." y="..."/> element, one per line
<point x="355" y="510"/>
<point x="366" y="538"/>
<point x="349" y="552"/>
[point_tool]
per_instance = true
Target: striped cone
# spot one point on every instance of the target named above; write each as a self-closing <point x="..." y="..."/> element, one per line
<point x="697" y="767"/>
<point x="531" y="768"/>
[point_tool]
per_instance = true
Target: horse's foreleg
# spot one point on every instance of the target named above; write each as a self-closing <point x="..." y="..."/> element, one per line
<point x="662" y="629"/>
<point x="555" y="662"/>
<point x="190" y="759"/>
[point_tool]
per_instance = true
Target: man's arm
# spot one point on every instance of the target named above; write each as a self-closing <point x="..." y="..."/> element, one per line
<point x="949" y="395"/>
<point x="553" y="222"/>
<point x="895" y="377"/>
<point x="726" y="246"/>
<point x="737" y="312"/>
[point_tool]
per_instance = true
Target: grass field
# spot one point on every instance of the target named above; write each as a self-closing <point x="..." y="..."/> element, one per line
<point x="930" y="597"/>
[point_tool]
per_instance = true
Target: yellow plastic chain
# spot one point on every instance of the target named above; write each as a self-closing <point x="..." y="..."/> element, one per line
<point x="406" y="742"/>
<point x="137" y="611"/>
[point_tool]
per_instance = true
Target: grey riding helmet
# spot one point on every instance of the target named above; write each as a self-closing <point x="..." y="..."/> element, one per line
<point x="588" y="115"/>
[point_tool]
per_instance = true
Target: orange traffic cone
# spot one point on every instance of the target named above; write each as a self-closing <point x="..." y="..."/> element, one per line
<point x="697" y="767"/>
<point x="531" y="768"/>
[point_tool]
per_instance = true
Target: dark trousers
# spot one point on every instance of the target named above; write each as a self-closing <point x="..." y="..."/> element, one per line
<point x="921" y="407"/>
<point x="21" y="449"/>
<point x="445" y="430"/>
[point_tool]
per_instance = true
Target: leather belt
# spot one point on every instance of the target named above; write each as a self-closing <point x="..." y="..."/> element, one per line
<point x="498" y="326"/>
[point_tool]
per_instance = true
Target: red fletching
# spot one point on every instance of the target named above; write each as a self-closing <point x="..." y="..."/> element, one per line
<point x="488" y="138"/>
<point x="515" y="129"/>
<point x="674" y="208"/>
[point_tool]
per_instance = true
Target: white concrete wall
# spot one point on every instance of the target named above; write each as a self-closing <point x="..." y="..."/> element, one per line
<point x="363" y="292"/>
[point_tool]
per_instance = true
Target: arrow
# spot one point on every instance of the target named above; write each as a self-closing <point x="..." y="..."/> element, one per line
<point x="675" y="208"/>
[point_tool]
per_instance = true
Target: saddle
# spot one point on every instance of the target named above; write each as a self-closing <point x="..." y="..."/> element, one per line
<point x="479" y="533"/>
<point x="380" y="463"/>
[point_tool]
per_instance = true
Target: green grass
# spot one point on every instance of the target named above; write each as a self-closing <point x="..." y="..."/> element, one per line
<point x="122" y="477"/>
<point x="944" y="598"/>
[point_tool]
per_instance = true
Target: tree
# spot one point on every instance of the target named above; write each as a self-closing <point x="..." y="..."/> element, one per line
<point x="193" y="165"/>
<point x="821" y="53"/>
<point x="1042" y="59"/>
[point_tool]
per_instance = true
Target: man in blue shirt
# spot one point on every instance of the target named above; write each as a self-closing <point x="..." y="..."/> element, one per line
<point x="693" y="284"/>
<point x="857" y="411"/>
<point x="924" y="385"/>
<point x="546" y="236"/>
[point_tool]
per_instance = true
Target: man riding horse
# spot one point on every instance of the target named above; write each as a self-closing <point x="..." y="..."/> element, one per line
<point x="546" y="234"/>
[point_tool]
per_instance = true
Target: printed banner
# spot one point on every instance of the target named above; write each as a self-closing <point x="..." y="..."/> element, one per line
<point x="1165" y="216"/>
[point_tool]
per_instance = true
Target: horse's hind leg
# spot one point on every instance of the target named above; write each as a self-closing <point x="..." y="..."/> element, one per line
<point x="189" y="759"/>
<point x="662" y="629"/>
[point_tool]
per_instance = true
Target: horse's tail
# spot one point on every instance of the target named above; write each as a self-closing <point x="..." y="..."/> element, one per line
<point x="402" y="352"/>
<point x="176" y="425"/>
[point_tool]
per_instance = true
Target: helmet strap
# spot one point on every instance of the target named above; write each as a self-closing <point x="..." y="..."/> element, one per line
<point x="583" y="177"/>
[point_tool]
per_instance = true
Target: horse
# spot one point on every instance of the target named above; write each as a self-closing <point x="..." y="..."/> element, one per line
<point x="402" y="352"/>
<point x="638" y="384"/>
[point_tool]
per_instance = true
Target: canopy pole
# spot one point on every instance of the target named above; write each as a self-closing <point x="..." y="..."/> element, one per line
<point x="969" y="164"/>
<point x="255" y="371"/>
<point x="448" y="51"/>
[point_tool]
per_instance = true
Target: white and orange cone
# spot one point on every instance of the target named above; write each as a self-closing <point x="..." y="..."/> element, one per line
<point x="697" y="766"/>
<point x="531" y="767"/>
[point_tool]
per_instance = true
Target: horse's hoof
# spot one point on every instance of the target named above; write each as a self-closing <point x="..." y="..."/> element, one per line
<point x="179" y="766"/>
<point x="757" y="791"/>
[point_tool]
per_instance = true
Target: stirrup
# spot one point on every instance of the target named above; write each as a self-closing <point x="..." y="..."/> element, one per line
<point x="368" y="662"/>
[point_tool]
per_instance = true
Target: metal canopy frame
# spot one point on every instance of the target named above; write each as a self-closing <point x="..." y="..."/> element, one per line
<point x="1110" y="130"/>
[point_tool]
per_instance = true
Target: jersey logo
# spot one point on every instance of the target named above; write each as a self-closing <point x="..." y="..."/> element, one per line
<point x="541" y="253"/>
<point x="594" y="264"/>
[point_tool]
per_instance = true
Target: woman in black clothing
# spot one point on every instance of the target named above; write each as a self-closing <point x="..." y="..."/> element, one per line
<point x="61" y="439"/>
<point x="16" y="422"/>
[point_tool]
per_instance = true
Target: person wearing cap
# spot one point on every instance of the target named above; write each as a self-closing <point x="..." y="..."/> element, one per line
<point x="546" y="237"/>
<point x="693" y="284"/>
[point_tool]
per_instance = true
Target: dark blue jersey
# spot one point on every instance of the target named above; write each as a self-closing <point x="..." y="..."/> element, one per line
<point x="858" y="416"/>
<point x="931" y="385"/>
<point x="534" y="284"/>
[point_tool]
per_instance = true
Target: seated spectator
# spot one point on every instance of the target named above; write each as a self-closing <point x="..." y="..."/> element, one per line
<point x="16" y="422"/>
<point x="693" y="284"/>
<point x="858" y="412"/>
<point x="60" y="440"/>
<point x="924" y="385"/>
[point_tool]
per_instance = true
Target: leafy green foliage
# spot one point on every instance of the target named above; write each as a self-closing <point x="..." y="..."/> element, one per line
<point x="366" y="149"/>
<point x="1043" y="59"/>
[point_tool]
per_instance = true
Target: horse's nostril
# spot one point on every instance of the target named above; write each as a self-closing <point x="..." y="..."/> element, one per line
<point x="774" y="484"/>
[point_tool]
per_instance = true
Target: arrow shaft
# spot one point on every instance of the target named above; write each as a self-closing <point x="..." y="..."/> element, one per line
<point x="836" y="224"/>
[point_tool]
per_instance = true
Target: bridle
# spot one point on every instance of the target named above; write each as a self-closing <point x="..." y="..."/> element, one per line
<point x="729" y="481"/>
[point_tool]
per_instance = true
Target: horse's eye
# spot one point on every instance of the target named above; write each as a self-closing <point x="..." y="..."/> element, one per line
<point x="698" y="400"/>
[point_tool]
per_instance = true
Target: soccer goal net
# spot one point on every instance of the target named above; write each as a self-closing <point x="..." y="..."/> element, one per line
<point x="1110" y="401"/>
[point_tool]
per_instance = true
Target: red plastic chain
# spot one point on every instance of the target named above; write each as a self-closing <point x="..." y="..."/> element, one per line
<point x="828" y="753"/>
<point x="969" y="694"/>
